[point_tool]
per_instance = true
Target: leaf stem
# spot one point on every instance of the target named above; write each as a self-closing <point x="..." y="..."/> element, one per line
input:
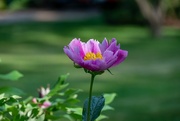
<point x="90" y="97"/>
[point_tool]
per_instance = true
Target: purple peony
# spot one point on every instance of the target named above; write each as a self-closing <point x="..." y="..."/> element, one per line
<point x="95" y="56"/>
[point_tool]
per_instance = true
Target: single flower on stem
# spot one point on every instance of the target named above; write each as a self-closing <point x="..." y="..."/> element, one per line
<point x="95" y="58"/>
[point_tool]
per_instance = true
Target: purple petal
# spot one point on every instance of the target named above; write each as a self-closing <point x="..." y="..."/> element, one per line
<point x="69" y="53"/>
<point x="73" y="56"/>
<point x="113" y="46"/>
<point x="94" y="65"/>
<point x="91" y="46"/>
<point x="121" y="56"/>
<point x="110" y="58"/>
<point x="104" y="45"/>
<point x="107" y="55"/>
<point x="113" y="40"/>
<point x="74" y="50"/>
<point x="76" y="47"/>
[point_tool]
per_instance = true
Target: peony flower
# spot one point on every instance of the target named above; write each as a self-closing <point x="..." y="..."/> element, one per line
<point x="95" y="56"/>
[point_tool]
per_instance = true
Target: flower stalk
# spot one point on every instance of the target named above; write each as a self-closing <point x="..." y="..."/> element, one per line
<point x="90" y="97"/>
<point x="95" y="58"/>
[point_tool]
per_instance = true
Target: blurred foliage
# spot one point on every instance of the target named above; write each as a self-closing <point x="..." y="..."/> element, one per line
<point x="147" y="83"/>
<point x="63" y="102"/>
<point x="122" y="12"/>
<point x="127" y="11"/>
<point x="13" y="4"/>
<point x="2" y="4"/>
<point x="172" y="8"/>
<point x="14" y="75"/>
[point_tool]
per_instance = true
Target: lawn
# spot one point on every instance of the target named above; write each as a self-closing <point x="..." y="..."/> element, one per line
<point x="147" y="83"/>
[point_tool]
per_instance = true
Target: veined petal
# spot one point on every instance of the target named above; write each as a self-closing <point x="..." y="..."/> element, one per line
<point x="113" y="46"/>
<point x="108" y="56"/>
<point x="73" y="56"/>
<point x="91" y="46"/>
<point x="94" y="65"/>
<point x="69" y="53"/>
<point x="76" y="47"/>
<point x="121" y="56"/>
<point x="74" y="50"/>
<point x="113" y="40"/>
<point x="104" y="45"/>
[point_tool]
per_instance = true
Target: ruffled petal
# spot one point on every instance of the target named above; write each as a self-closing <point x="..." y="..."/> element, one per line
<point x="110" y="58"/>
<point x="91" y="46"/>
<point x="107" y="56"/>
<point x="121" y="56"/>
<point x="113" y="46"/>
<point x="76" y="47"/>
<point x="68" y="52"/>
<point x="74" y="51"/>
<point x="104" y="45"/>
<point x="94" y="65"/>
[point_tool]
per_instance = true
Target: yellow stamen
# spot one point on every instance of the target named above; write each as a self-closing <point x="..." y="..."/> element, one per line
<point x="92" y="56"/>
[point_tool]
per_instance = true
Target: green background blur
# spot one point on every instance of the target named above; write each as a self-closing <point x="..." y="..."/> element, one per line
<point x="147" y="83"/>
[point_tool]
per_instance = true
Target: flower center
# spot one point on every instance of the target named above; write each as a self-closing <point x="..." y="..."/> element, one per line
<point x="92" y="56"/>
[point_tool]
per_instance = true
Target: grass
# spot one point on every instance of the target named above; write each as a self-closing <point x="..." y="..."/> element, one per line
<point x="147" y="82"/>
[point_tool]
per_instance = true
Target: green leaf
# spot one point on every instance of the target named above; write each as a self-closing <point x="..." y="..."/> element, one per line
<point x="3" y="100"/>
<point x="97" y="103"/>
<point x="109" y="71"/>
<point x="55" y="90"/>
<point x="12" y="109"/>
<point x="15" y="96"/>
<point x="109" y="98"/>
<point x="71" y="92"/>
<point x="13" y="76"/>
<point x="68" y="117"/>
<point x="52" y="117"/>
<point x="4" y="118"/>
<point x="2" y="96"/>
<point x="40" y="118"/>
<point x="58" y="86"/>
<point x="11" y="91"/>
<point x="76" y="116"/>
<point x="71" y="101"/>
<point x="35" y="112"/>
<point x="77" y="111"/>
<point x="107" y="107"/>
<point x="101" y="117"/>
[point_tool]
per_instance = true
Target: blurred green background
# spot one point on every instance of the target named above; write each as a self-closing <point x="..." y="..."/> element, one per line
<point x="147" y="83"/>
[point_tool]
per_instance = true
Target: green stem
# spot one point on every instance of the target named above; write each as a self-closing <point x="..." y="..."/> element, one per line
<point x="90" y="96"/>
